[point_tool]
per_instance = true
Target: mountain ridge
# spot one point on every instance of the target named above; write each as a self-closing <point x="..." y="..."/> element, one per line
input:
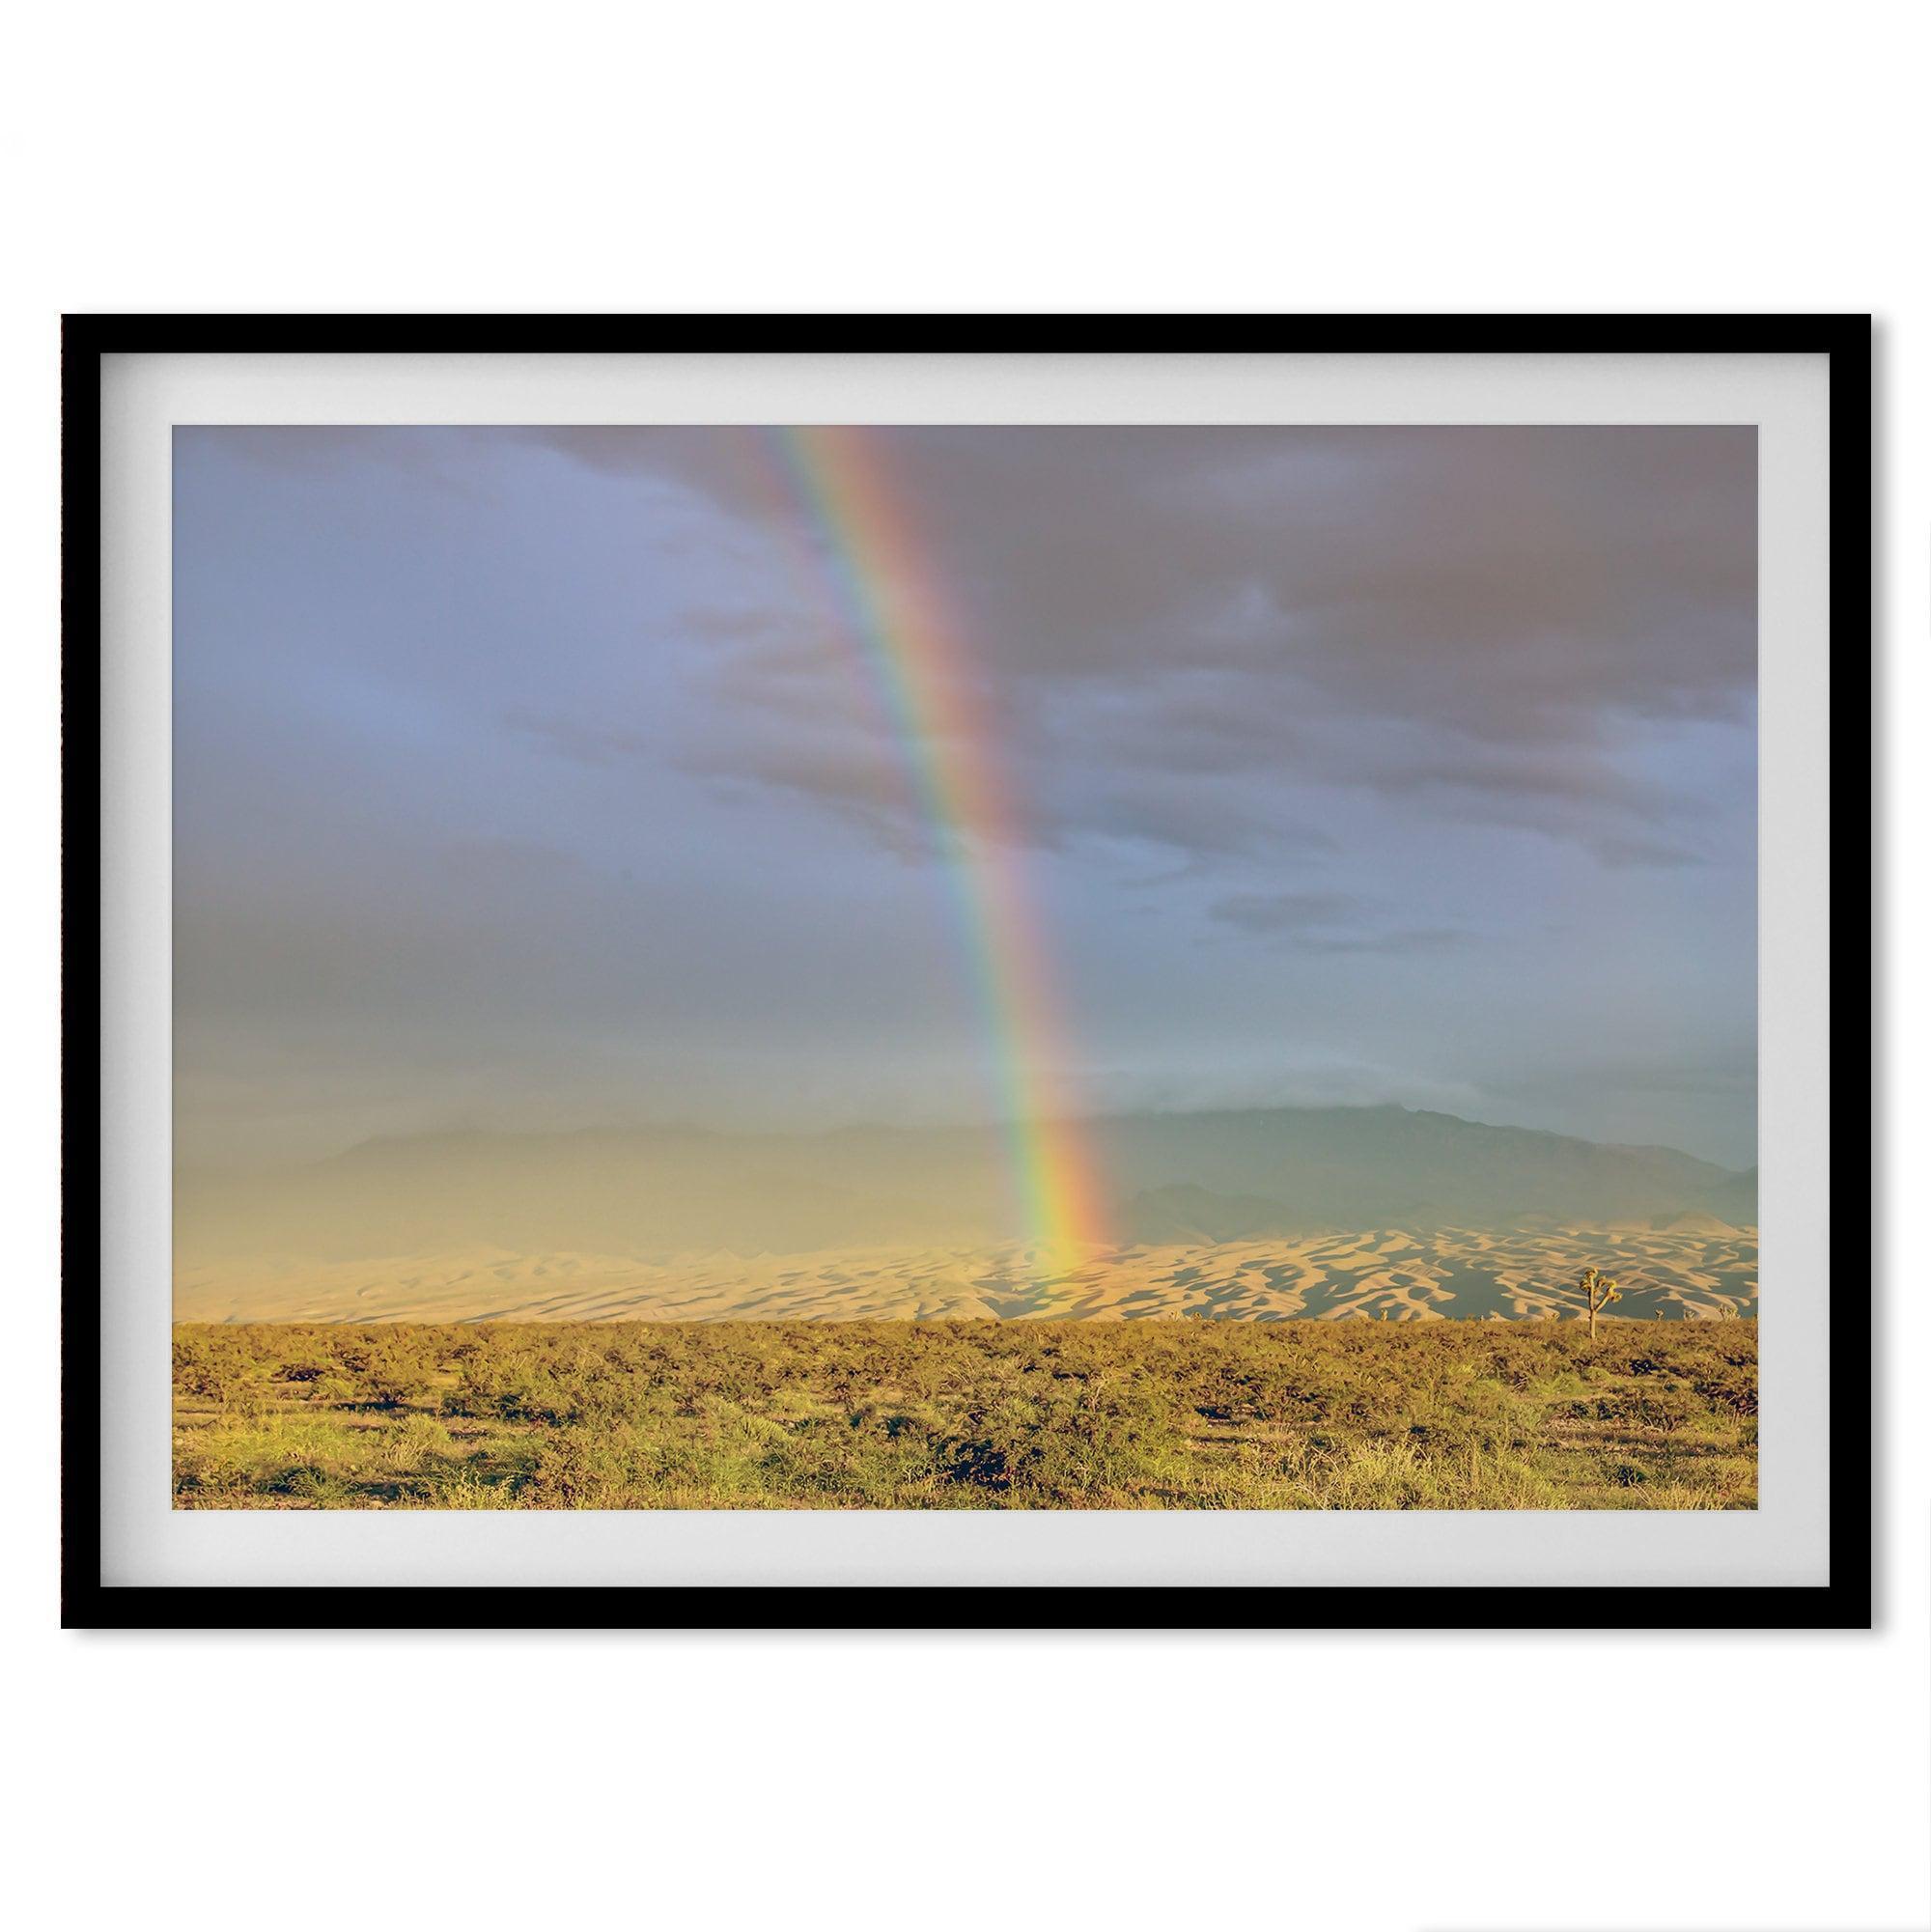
<point x="1208" y="1177"/>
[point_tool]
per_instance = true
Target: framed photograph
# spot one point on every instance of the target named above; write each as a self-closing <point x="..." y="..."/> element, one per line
<point x="1000" y="971"/>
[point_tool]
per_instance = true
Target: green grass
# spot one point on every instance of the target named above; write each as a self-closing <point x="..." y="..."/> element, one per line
<point x="1170" y="1414"/>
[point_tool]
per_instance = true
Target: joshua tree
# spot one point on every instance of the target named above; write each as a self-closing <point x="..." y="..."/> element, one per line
<point x="1599" y="1291"/>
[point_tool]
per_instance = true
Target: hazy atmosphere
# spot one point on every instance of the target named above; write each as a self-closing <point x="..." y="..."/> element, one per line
<point x="530" y="780"/>
<point x="928" y="968"/>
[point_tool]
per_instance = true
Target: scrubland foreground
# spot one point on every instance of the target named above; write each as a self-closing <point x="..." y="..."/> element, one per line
<point x="1164" y="1415"/>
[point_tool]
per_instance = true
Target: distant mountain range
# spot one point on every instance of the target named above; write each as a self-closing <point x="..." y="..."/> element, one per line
<point x="1190" y="1179"/>
<point x="1295" y="1170"/>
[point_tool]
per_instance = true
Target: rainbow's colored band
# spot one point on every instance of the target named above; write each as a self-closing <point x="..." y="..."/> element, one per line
<point x="891" y="598"/>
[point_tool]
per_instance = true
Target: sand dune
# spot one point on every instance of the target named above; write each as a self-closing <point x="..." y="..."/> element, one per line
<point x="1680" y="1272"/>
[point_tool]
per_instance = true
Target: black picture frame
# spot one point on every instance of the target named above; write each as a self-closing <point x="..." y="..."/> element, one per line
<point x="1844" y="1602"/>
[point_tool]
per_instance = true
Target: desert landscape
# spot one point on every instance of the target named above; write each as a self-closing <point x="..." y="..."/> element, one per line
<point x="339" y="1346"/>
<point x="826" y="965"/>
<point x="1688" y="1273"/>
<point x="983" y="1414"/>
<point x="1325" y="1212"/>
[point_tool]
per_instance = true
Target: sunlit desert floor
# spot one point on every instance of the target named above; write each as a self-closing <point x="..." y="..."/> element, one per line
<point x="1704" y="1270"/>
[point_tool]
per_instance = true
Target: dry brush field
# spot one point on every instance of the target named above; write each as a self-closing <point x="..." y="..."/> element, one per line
<point x="1152" y="1415"/>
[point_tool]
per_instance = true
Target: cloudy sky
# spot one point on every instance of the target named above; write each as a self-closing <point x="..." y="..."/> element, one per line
<point x="532" y="777"/>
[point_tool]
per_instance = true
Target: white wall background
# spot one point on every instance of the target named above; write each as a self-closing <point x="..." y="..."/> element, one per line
<point x="880" y="156"/>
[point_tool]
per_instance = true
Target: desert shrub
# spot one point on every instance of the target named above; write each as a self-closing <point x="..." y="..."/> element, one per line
<point x="1650" y="1406"/>
<point x="516" y="1389"/>
<point x="573" y="1472"/>
<point x="1735" y="1393"/>
<point x="397" y="1386"/>
<point x="303" y="1482"/>
<point x="1161" y="1414"/>
<point x="421" y="1440"/>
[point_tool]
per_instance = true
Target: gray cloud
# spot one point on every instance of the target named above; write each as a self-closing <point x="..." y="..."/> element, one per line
<point x="1484" y="618"/>
<point x="1615" y="850"/>
<point x="539" y="773"/>
<point x="1273" y="913"/>
<point x="1331" y="923"/>
<point x="588" y="743"/>
<point x="1403" y="942"/>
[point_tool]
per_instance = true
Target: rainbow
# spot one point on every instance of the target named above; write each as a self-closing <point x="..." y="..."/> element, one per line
<point x="894" y="606"/>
